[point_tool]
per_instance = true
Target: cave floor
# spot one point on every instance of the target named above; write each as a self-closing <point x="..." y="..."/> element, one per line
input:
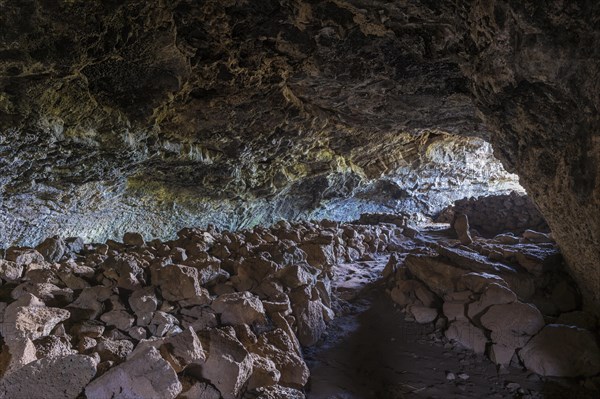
<point x="371" y="351"/>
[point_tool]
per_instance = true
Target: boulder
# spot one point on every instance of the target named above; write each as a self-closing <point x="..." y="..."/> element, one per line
<point x="493" y="294"/>
<point x="119" y="319"/>
<point x="319" y="256"/>
<point x="134" y="239"/>
<point x="179" y="282"/>
<point x="562" y="351"/>
<point x="183" y="349"/>
<point x="455" y="310"/>
<point x="467" y="335"/>
<point x="422" y="314"/>
<point x="10" y="271"/>
<point x="461" y="226"/>
<point x="200" y="390"/>
<point x="88" y="304"/>
<point x="146" y="375"/>
<point x="309" y="315"/>
<point x="114" y="350"/>
<point x="228" y="364"/>
<point x="52" y="249"/>
<point x="278" y="347"/>
<point x="28" y="317"/>
<point x="264" y="372"/>
<point x="512" y="324"/>
<point x="439" y="276"/>
<point x="56" y="378"/>
<point x="240" y="308"/>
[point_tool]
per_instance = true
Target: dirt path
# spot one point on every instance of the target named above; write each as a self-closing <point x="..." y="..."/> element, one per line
<point x="372" y="352"/>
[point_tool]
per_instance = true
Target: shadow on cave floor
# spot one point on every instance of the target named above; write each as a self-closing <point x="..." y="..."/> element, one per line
<point x="372" y="352"/>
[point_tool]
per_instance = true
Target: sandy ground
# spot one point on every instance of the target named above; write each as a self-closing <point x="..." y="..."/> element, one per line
<point x="372" y="352"/>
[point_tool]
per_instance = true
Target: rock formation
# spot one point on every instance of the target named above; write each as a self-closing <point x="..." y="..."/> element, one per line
<point x="126" y="114"/>
<point x="228" y="314"/>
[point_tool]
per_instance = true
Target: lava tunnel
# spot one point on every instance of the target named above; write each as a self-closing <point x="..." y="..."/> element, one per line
<point x="299" y="199"/>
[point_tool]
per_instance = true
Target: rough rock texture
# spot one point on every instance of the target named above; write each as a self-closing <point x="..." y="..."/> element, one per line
<point x="126" y="114"/>
<point x="119" y="117"/>
<point x="482" y="298"/>
<point x="60" y="378"/>
<point x="229" y="320"/>
<point x="496" y="214"/>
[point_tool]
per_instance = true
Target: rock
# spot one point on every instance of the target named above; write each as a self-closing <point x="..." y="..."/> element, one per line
<point x="138" y="333"/>
<point x="147" y="375"/>
<point x="56" y="378"/>
<point x="297" y="275"/>
<point x="455" y="311"/>
<point x="422" y="314"/>
<point x="200" y="390"/>
<point x="277" y="392"/>
<point x="278" y="347"/>
<point x="10" y="271"/>
<point x="439" y="276"/>
<point x="133" y="239"/>
<point x="506" y="238"/>
<point x="450" y="376"/>
<point x="52" y="249"/>
<point x="578" y="319"/>
<point x="319" y="256"/>
<point x="183" y="349"/>
<point x="118" y="318"/>
<point x="264" y="372"/>
<point x="461" y="226"/>
<point x="115" y="351"/>
<point x="309" y="316"/>
<point x="24" y="256"/>
<point x="199" y="318"/>
<point x="537" y="237"/>
<point x="28" y="317"/>
<point x="163" y="324"/>
<point x="501" y="354"/>
<point x="179" y="282"/>
<point x="143" y="301"/>
<point x="513" y="324"/>
<point x="53" y="346"/>
<point x="562" y="351"/>
<point x="240" y="308"/>
<point x="228" y="364"/>
<point x="493" y="294"/>
<point x="88" y="304"/>
<point x="467" y="335"/>
<point x="47" y="292"/>
<point x="17" y="353"/>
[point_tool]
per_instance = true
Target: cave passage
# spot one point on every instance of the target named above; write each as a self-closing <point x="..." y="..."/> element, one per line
<point x="299" y="199"/>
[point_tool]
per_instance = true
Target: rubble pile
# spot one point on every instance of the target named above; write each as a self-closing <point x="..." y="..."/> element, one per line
<point x="211" y="314"/>
<point x="508" y="297"/>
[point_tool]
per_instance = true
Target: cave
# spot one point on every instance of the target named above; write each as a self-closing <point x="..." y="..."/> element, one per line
<point x="299" y="199"/>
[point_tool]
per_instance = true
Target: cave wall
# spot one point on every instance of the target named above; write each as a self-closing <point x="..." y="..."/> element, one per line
<point x="140" y="109"/>
<point x="534" y="70"/>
